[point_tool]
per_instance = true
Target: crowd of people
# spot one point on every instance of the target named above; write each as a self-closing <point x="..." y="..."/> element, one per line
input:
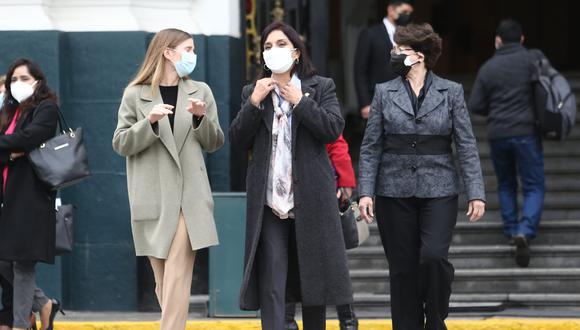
<point x="299" y="173"/>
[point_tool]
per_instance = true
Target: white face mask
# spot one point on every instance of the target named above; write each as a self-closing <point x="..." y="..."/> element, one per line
<point x="21" y="90"/>
<point x="1" y="99"/>
<point x="278" y="60"/>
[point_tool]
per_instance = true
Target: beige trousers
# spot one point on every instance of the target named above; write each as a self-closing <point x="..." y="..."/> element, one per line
<point x="173" y="279"/>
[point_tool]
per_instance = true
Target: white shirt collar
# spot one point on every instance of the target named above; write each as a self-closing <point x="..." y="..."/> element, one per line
<point x="391" y="28"/>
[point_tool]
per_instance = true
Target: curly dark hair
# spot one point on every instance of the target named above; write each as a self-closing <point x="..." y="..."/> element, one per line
<point x="422" y="38"/>
<point x="41" y="92"/>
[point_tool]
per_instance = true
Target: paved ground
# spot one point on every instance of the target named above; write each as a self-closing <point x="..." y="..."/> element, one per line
<point x="555" y="312"/>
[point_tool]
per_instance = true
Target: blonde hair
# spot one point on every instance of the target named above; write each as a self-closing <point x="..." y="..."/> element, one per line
<point x="151" y="70"/>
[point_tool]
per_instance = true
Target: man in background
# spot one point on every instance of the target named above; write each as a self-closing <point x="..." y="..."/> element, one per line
<point x="373" y="52"/>
<point x="503" y="93"/>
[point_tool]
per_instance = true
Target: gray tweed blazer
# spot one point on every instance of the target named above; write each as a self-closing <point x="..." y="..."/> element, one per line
<point x="402" y="153"/>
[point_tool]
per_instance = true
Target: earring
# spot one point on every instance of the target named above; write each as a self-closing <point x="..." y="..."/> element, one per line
<point x="297" y="60"/>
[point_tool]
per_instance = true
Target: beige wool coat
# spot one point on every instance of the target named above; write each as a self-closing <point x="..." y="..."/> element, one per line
<point x="166" y="172"/>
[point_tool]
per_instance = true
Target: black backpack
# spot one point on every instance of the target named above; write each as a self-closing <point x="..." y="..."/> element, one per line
<point x="554" y="101"/>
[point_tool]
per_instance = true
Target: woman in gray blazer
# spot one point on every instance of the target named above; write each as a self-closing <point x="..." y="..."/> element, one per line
<point x="407" y="166"/>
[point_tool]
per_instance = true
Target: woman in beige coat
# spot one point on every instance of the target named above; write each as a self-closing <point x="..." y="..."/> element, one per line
<point x="165" y="122"/>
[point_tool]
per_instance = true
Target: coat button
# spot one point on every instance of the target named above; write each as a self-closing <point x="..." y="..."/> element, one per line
<point x="414" y="144"/>
<point x="418" y="120"/>
<point x="413" y="168"/>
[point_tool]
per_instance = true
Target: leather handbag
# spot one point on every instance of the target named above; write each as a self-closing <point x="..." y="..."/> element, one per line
<point x="64" y="229"/>
<point x="354" y="229"/>
<point x="61" y="161"/>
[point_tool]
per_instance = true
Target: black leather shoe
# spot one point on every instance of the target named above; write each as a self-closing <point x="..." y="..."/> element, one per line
<point x="349" y="324"/>
<point x="522" y="251"/>
<point x="291" y="325"/>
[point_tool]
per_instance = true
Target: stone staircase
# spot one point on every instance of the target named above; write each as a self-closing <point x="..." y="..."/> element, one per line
<point x="486" y="277"/>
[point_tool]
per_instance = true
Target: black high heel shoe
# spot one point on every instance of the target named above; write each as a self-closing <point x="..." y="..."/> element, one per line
<point x="56" y="307"/>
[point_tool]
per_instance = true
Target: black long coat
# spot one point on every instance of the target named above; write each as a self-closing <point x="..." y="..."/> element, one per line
<point x="316" y="121"/>
<point x="27" y="216"/>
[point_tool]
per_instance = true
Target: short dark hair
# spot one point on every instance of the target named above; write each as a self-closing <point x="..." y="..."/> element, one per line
<point x="41" y="92"/>
<point x="422" y="38"/>
<point x="304" y="68"/>
<point x="397" y="3"/>
<point x="509" y="30"/>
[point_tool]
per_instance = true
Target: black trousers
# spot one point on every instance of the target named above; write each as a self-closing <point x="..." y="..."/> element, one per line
<point x="279" y="277"/>
<point x="416" y="234"/>
<point x="344" y="312"/>
<point x="6" y="312"/>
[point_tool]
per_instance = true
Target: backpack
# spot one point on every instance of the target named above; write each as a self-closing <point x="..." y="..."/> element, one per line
<point x="554" y="101"/>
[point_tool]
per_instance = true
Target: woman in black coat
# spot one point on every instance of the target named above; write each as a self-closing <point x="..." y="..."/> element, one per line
<point x="28" y="118"/>
<point x="294" y="245"/>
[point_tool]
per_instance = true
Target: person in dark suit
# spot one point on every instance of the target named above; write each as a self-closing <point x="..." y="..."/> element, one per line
<point x="371" y="62"/>
<point x="27" y="222"/>
<point x="407" y="166"/>
<point x="294" y="246"/>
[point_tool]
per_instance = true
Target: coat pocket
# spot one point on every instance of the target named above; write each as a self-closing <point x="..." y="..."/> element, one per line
<point x="144" y="204"/>
<point x="145" y="211"/>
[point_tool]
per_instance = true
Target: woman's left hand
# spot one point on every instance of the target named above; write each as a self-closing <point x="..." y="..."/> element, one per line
<point x="290" y="93"/>
<point x="196" y="107"/>
<point x="475" y="210"/>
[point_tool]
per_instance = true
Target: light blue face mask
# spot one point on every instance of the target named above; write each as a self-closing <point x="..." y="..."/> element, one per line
<point x="187" y="64"/>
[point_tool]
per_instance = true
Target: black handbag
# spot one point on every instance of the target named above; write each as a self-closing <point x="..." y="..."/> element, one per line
<point x="61" y="161"/>
<point x="64" y="229"/>
<point x="354" y="229"/>
<point x="349" y="230"/>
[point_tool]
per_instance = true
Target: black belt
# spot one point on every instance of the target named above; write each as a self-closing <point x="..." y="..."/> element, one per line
<point x="413" y="144"/>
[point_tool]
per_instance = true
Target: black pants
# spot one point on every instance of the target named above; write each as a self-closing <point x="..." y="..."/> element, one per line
<point x="344" y="312"/>
<point x="416" y="234"/>
<point x="279" y="278"/>
<point x="6" y="312"/>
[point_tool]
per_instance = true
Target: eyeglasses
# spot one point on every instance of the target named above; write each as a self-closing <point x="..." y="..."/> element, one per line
<point x="397" y="50"/>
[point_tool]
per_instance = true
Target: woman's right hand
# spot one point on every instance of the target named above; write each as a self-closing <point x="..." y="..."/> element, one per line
<point x="15" y="155"/>
<point x="365" y="206"/>
<point x="159" y="111"/>
<point x="263" y="87"/>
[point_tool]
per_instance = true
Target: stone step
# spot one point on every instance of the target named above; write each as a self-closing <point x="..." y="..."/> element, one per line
<point x="550" y="232"/>
<point x="555" y="165"/>
<point x="551" y="149"/>
<point x="560" y="232"/>
<point x="552" y="200"/>
<point x="198" y="306"/>
<point x="547" y="215"/>
<point x="378" y="305"/>
<point x="478" y="256"/>
<point x="554" y="183"/>
<point x="494" y="280"/>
